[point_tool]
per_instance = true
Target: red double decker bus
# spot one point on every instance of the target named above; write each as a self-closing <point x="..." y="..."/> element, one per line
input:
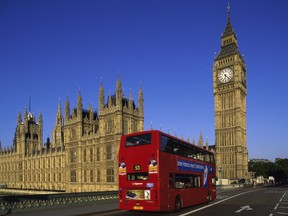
<point x="159" y="172"/>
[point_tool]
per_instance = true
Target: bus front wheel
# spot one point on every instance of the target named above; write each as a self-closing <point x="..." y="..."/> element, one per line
<point x="177" y="204"/>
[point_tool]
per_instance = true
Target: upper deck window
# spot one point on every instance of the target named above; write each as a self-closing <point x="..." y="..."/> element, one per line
<point x="177" y="147"/>
<point x="138" y="140"/>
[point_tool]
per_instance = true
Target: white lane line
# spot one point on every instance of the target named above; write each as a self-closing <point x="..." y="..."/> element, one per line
<point x="187" y="213"/>
<point x="276" y="206"/>
<point x="271" y="214"/>
<point x="282" y="213"/>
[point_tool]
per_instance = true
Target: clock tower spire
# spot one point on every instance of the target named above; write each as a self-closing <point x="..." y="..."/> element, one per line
<point x="229" y="44"/>
<point x="229" y="86"/>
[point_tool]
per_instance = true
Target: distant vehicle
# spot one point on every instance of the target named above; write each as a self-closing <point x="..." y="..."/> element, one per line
<point x="159" y="172"/>
<point x="3" y="186"/>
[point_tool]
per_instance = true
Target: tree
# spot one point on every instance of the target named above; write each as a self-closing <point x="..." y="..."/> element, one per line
<point x="261" y="168"/>
<point x="279" y="169"/>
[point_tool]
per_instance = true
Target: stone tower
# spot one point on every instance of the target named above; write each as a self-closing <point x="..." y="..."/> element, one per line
<point x="58" y="132"/>
<point x="28" y="135"/>
<point x="229" y="78"/>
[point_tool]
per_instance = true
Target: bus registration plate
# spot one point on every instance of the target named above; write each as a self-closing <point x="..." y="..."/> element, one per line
<point x="138" y="207"/>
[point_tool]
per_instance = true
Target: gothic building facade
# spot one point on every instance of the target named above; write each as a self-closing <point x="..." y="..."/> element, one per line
<point x="82" y="155"/>
<point x="230" y="90"/>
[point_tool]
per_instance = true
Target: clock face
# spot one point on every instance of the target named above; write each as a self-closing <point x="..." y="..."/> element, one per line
<point x="225" y="75"/>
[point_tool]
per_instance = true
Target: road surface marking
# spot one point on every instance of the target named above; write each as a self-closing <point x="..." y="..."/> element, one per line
<point x="244" y="208"/>
<point x="282" y="213"/>
<point x="199" y="209"/>
<point x="276" y="206"/>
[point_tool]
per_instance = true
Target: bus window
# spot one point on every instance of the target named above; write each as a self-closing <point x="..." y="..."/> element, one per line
<point x="167" y="145"/>
<point x="138" y="140"/>
<point x="187" y="181"/>
<point x="197" y="180"/>
<point x="189" y="152"/>
<point x="176" y="148"/>
<point x="137" y="176"/>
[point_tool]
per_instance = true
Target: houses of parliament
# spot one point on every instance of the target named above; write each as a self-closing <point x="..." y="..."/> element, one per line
<point x="82" y="155"/>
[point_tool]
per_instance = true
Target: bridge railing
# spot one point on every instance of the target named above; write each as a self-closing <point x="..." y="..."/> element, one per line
<point x="22" y="202"/>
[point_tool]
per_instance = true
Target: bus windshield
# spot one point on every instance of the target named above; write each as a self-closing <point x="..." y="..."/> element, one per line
<point x="138" y="140"/>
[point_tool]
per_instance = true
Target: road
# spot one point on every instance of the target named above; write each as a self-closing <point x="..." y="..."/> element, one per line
<point x="264" y="201"/>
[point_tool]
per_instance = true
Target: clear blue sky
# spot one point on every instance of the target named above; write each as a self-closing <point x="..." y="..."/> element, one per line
<point x="50" y="49"/>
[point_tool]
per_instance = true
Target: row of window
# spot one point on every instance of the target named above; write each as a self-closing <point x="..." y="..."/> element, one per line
<point x="173" y="146"/>
<point x="225" y="61"/>
<point x="10" y="166"/>
<point x="176" y="181"/>
<point x="55" y="177"/>
<point x="227" y="41"/>
<point x="110" y="154"/>
<point x="184" y="181"/>
<point x="93" y="176"/>
<point x="142" y="139"/>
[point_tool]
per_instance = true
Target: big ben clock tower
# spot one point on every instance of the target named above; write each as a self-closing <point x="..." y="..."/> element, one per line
<point x="229" y="77"/>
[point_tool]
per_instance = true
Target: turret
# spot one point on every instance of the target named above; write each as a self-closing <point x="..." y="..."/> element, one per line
<point x="40" y="130"/>
<point x="57" y="131"/>
<point x="79" y="107"/>
<point x="141" y="101"/>
<point x="59" y="114"/>
<point x="207" y="144"/>
<point x="200" y="141"/>
<point x="19" y="119"/>
<point x="130" y="103"/>
<point x="25" y="115"/>
<point x="119" y="93"/>
<point x="90" y="111"/>
<point x="101" y="97"/>
<point x="67" y="110"/>
<point x="141" y="108"/>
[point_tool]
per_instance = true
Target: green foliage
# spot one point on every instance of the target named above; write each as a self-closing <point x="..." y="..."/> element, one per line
<point x="279" y="169"/>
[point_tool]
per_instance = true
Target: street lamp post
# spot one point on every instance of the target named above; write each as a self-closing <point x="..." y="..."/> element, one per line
<point x="220" y="175"/>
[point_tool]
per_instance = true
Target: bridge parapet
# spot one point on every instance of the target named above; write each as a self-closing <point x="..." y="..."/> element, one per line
<point x="22" y="202"/>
